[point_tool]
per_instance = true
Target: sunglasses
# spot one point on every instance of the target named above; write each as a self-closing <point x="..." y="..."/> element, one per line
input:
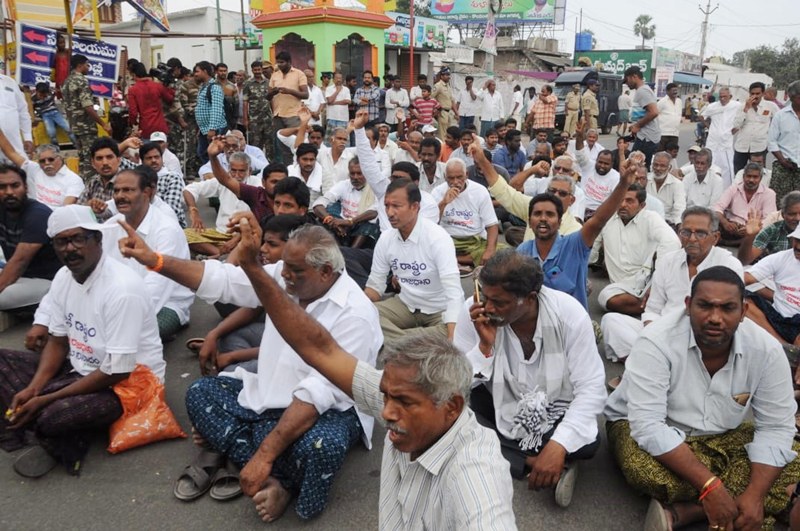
<point x="559" y="193"/>
<point x="46" y="160"/>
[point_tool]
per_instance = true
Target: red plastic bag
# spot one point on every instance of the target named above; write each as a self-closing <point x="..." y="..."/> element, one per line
<point x="146" y="417"/>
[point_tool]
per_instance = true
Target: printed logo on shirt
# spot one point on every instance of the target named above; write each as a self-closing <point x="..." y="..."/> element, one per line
<point x="414" y="267"/>
<point x="87" y="330"/>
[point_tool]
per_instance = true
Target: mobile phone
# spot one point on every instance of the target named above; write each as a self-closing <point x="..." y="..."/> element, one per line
<point x="476" y="296"/>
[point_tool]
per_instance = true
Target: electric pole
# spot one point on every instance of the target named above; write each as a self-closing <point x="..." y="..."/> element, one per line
<point x="707" y="11"/>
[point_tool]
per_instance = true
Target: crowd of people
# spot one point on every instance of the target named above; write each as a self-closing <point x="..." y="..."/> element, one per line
<point x="347" y="219"/>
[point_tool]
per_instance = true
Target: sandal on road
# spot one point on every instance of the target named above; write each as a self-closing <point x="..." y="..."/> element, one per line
<point x="225" y="484"/>
<point x="34" y="462"/>
<point x="196" y="479"/>
<point x="195" y="344"/>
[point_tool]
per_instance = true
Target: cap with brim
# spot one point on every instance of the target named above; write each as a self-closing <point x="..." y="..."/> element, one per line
<point x="429" y="129"/>
<point x="72" y="217"/>
<point x="694" y="148"/>
<point x="158" y="136"/>
<point x="796" y="233"/>
<point x="591" y="82"/>
<point x="444" y="71"/>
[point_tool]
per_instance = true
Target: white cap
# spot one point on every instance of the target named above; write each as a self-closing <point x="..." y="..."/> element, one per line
<point x="428" y="129"/>
<point x="158" y="136"/>
<point x="71" y="217"/>
<point x="796" y="233"/>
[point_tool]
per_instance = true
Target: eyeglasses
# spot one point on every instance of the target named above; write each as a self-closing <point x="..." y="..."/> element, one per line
<point x="78" y="241"/>
<point x="699" y="234"/>
<point x="559" y="193"/>
<point x="46" y="160"/>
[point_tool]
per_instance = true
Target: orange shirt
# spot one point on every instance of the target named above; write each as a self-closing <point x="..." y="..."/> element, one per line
<point x="286" y="105"/>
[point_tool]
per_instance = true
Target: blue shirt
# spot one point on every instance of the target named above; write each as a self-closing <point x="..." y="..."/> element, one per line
<point x="566" y="266"/>
<point x="511" y="162"/>
<point x="784" y="134"/>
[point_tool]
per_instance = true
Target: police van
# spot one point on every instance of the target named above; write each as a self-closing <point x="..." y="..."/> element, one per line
<point x="611" y="86"/>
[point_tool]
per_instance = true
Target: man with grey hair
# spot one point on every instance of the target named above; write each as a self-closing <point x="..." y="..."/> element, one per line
<point x="784" y="143"/>
<point x="467" y="214"/>
<point x="702" y="183"/>
<point x="540" y="379"/>
<point x="50" y="181"/>
<point x="287" y="425"/>
<point x="720" y="117"/>
<point x="236" y="143"/>
<point x="669" y="190"/>
<point x="671" y="281"/>
<point x="440" y="469"/>
<point x="653" y="203"/>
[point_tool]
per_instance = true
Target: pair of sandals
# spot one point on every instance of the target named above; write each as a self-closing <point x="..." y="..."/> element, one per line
<point x="208" y="473"/>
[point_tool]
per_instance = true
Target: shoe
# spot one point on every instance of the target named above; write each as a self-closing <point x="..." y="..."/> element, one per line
<point x="656" y="519"/>
<point x="613" y="383"/>
<point x="34" y="462"/>
<point x="566" y="484"/>
<point x="598" y="332"/>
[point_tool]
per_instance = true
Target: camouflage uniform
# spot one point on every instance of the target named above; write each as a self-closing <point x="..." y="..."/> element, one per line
<point x="188" y="98"/>
<point x="77" y="96"/>
<point x="259" y="129"/>
<point x="175" y="138"/>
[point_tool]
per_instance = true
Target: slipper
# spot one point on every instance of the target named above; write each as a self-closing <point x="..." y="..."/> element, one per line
<point x="656" y="519"/>
<point x="195" y="480"/>
<point x="195" y="344"/>
<point x="465" y="271"/>
<point x="34" y="462"/>
<point x="613" y="383"/>
<point x="225" y="485"/>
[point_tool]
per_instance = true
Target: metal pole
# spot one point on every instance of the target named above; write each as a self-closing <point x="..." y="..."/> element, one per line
<point x="219" y="33"/>
<point x="244" y="32"/>
<point x="411" y="46"/>
<point x="5" y="39"/>
<point x="707" y="11"/>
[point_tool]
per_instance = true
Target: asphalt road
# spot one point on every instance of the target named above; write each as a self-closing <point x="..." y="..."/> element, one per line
<point x="133" y="490"/>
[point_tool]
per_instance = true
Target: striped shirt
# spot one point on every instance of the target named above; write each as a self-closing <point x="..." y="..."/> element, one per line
<point x="426" y="109"/>
<point x="461" y="482"/>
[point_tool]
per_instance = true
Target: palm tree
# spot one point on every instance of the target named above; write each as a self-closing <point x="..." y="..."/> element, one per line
<point x="643" y="28"/>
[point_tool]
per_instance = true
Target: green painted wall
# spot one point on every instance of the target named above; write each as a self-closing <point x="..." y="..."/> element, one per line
<point x="324" y="36"/>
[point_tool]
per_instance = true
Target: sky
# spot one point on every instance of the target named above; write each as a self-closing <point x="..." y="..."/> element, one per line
<point x="736" y="24"/>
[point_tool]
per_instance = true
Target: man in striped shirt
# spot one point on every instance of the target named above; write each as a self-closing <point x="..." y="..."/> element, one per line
<point x="426" y="107"/>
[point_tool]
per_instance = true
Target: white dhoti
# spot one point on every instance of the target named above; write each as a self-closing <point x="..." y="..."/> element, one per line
<point x="619" y="333"/>
<point x="723" y="157"/>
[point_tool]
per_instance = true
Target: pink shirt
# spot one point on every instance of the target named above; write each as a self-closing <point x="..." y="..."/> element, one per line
<point x="734" y="206"/>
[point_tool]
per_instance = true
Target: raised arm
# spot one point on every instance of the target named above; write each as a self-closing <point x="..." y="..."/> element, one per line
<point x="8" y="150"/>
<point x="224" y="178"/>
<point x="592" y="228"/>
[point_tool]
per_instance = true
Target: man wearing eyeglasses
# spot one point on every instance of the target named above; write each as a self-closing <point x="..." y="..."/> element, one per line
<point x="30" y="261"/>
<point x="672" y="279"/>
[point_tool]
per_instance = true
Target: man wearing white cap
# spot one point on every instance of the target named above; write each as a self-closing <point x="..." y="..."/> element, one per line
<point x="171" y="161"/>
<point x="103" y="324"/>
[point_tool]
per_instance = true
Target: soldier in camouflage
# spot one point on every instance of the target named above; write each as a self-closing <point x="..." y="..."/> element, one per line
<point x="175" y="114"/>
<point x="188" y="98"/>
<point x="258" y="111"/>
<point x="79" y="107"/>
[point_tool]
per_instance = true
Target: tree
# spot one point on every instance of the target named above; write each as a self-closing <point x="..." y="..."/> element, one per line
<point x="594" y="39"/>
<point x="644" y="29"/>
<point x="781" y="65"/>
<point x="422" y="8"/>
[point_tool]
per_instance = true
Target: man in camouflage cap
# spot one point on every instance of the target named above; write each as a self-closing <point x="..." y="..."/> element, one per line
<point x="258" y="111"/>
<point x="79" y="106"/>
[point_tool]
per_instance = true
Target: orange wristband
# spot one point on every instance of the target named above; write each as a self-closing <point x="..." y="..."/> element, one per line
<point x="159" y="264"/>
<point x="717" y="484"/>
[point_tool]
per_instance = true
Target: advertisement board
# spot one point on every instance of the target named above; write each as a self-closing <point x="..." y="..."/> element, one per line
<point x="617" y="61"/>
<point x="512" y="11"/>
<point x="677" y="60"/>
<point x="429" y="34"/>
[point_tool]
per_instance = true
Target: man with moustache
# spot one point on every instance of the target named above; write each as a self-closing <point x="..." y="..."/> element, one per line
<point x="743" y="200"/>
<point x="170" y="185"/>
<point x="107" y="162"/>
<point x="598" y="179"/>
<point x="367" y="96"/>
<point x="667" y="188"/>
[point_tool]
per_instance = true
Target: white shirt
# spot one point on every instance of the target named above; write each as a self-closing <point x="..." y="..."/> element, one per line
<point x="593" y="151"/>
<point x="171" y="162"/>
<point x="318" y="182"/>
<point x="669" y="116"/>
<point x="671" y="283"/>
<point x="314" y="101"/>
<point x="469" y="214"/>
<point x="350" y="199"/>
<point x="258" y="161"/>
<point x="466" y="105"/>
<point x="722" y="119"/>
<point x="336" y="171"/>
<point x="282" y="375"/>
<point x="395" y="99"/>
<point x="228" y="202"/>
<point x="671" y="194"/>
<point x="460" y="482"/>
<point x="415" y="93"/>
<point x="753" y="127"/>
<point x="492" y="108"/>
<point x="390" y="148"/>
<point x="438" y="178"/>
<point x="705" y="193"/>
<point x="338" y="112"/>
<point x="624" y="102"/>
<point x="516" y="100"/>
<point x="584" y="369"/>
<point x="163" y="234"/>
<point x="654" y="204"/>
<point x="534" y="186"/>
<point x="629" y="249"/>
<point x="667" y="394"/>
<point x="425" y="266"/>
<point x="16" y="118"/>
<point x="52" y="191"/>
<point x="109" y="320"/>
<point x="597" y="187"/>
<point x="784" y="269"/>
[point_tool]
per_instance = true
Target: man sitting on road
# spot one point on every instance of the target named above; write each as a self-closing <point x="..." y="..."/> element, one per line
<point x="107" y="162"/>
<point x="750" y="197"/>
<point x="103" y="325"/>
<point x="235" y="143"/>
<point x="703" y="181"/>
<point x="667" y="188"/>
<point x="540" y="378"/>
<point x="170" y="185"/>
<point x="759" y="242"/>
<point x="287" y="426"/>
<point x="598" y="178"/>
<point x="676" y="424"/>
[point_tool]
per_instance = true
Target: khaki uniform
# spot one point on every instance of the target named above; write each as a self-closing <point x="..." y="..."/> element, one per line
<point x="572" y="104"/>
<point x="77" y="96"/>
<point x="591" y="110"/>
<point x="260" y="132"/>
<point x="443" y="93"/>
<point x="188" y="97"/>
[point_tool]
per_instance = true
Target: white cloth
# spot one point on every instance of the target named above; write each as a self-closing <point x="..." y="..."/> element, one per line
<point x="390" y="148"/>
<point x="425" y="266"/>
<point x="720" y="135"/>
<point x="784" y="269"/>
<point x="163" y="234"/>
<point x="16" y="122"/>
<point x="466" y="105"/>
<point x="228" y="202"/>
<point x="669" y="116"/>
<point x="315" y="100"/>
<point x="516" y="101"/>
<point x="395" y="99"/>
<point x="593" y="150"/>
<point x="667" y="394"/>
<point x="597" y="187"/>
<point x="534" y="186"/>
<point x="282" y="375"/>
<point x="429" y="492"/>
<point x="672" y="196"/>
<point x="415" y="93"/>
<point x="345" y="194"/>
<point x="654" y="204"/>
<point x="258" y="161"/>
<point x="469" y="214"/>
<point x="171" y="162"/>
<point x="753" y="127"/>
<point x="336" y="171"/>
<point x="52" y="191"/>
<point x="318" y="182"/>
<point x="507" y="373"/>
<point x="108" y="319"/>
<point x="492" y="108"/>
<point x="338" y="112"/>
<point x="703" y="193"/>
<point x="438" y="177"/>
<point x="624" y="102"/>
